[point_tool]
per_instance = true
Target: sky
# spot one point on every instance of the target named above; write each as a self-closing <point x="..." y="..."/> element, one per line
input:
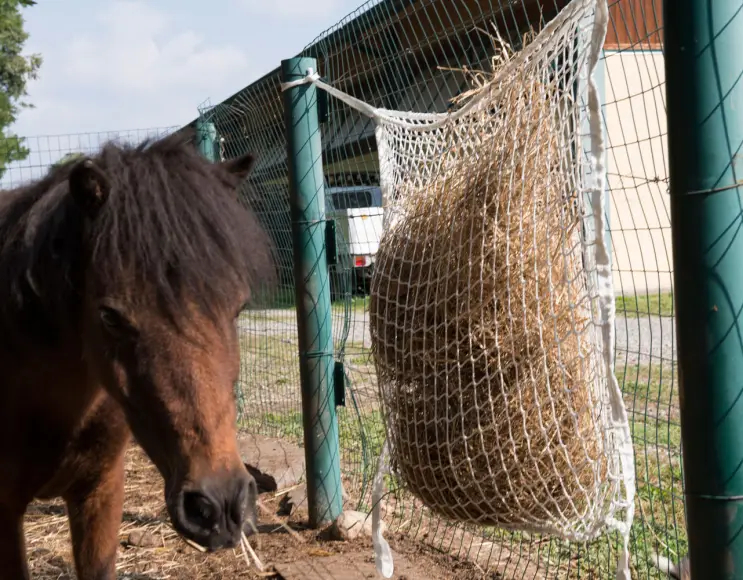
<point x="126" y="65"/>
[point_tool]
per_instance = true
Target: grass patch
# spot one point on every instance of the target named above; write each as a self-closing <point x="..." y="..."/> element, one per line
<point x="284" y="304"/>
<point x="650" y="390"/>
<point x="269" y="375"/>
<point x="660" y="304"/>
<point x="357" y="304"/>
<point x="280" y="297"/>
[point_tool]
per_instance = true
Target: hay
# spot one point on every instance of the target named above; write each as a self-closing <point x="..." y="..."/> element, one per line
<point x="480" y="323"/>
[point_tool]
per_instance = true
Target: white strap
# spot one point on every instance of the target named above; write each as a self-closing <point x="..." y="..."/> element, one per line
<point x="382" y="552"/>
<point x="314" y="78"/>
<point x="311" y="77"/>
<point x="606" y="295"/>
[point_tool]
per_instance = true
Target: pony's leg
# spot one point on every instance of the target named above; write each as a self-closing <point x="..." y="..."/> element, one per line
<point x="95" y="491"/>
<point x="12" y="544"/>
<point x="95" y="510"/>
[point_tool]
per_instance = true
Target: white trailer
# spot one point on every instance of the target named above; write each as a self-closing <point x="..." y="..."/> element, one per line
<point x="357" y="212"/>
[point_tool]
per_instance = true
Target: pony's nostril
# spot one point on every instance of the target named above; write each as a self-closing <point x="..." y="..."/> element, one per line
<point x="252" y="490"/>
<point x="200" y="511"/>
<point x="250" y="494"/>
<point x="215" y="513"/>
<point x="241" y="509"/>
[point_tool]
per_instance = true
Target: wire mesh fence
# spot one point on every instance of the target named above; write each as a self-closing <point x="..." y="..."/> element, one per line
<point x="26" y="158"/>
<point x="409" y="55"/>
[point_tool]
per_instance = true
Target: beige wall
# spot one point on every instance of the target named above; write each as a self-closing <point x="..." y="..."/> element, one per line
<point x="637" y="159"/>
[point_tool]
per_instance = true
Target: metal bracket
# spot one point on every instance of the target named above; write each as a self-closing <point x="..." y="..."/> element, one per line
<point x="339" y="384"/>
<point x="331" y="246"/>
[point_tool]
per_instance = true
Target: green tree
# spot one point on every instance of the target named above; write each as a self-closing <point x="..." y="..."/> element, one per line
<point x="16" y="70"/>
<point x="69" y="158"/>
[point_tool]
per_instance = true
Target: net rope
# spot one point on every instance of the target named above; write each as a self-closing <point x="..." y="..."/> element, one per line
<point x="492" y="304"/>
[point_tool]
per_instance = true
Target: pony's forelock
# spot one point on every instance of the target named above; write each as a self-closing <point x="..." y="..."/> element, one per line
<point x="172" y="227"/>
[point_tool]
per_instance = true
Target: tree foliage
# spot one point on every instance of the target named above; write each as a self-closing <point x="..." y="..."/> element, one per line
<point x="69" y="158"/>
<point x="16" y="69"/>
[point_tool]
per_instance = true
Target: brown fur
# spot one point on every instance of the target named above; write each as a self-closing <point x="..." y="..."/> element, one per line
<point x="120" y="279"/>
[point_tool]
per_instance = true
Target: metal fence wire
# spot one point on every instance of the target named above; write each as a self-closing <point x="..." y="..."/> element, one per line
<point x="26" y="158"/>
<point x="399" y="54"/>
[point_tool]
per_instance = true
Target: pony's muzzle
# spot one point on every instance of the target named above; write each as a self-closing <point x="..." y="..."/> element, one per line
<point x="214" y="511"/>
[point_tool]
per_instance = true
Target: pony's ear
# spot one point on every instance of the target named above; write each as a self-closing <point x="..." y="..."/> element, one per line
<point x="89" y="186"/>
<point x="241" y="166"/>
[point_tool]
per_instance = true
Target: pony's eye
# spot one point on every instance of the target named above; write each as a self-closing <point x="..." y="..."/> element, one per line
<point x="112" y="320"/>
<point x="240" y="310"/>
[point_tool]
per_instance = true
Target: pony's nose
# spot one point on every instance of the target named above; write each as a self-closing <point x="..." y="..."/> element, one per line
<point x="213" y="512"/>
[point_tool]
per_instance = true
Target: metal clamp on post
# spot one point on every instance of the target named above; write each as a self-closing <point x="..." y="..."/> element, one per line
<point x="331" y="247"/>
<point x="322" y="105"/>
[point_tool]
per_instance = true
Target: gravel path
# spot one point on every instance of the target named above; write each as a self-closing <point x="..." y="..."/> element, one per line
<point x="638" y="340"/>
<point x="646" y="339"/>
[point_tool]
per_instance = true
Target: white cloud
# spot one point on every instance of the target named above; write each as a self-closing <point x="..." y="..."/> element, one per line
<point x="314" y="9"/>
<point x="138" y="51"/>
<point x="132" y="68"/>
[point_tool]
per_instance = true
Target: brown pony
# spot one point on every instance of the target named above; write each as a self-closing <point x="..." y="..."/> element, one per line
<point x="120" y="280"/>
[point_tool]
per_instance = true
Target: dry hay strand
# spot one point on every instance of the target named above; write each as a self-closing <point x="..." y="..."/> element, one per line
<point x="481" y="324"/>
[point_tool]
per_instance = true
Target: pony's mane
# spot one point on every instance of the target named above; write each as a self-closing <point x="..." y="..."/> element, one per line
<point x="172" y="221"/>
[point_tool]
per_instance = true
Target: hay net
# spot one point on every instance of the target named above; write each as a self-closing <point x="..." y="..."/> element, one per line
<point x="492" y="308"/>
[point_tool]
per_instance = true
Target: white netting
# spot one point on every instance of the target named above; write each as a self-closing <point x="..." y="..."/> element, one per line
<point x="492" y="304"/>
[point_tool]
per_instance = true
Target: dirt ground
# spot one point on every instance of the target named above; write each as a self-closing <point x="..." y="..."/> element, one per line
<point x="151" y="550"/>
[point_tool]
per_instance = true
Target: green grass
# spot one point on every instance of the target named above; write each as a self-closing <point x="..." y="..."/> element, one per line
<point x="357" y="304"/>
<point x="651" y="396"/>
<point x="279" y="298"/>
<point x="660" y="304"/>
<point x="651" y="386"/>
<point x="284" y="299"/>
<point x="269" y="374"/>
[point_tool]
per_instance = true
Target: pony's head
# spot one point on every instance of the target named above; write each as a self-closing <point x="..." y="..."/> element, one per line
<point x="170" y="259"/>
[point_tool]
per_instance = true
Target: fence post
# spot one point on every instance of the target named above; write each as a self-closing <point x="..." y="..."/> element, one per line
<point x="704" y="92"/>
<point x="307" y="199"/>
<point x="206" y="139"/>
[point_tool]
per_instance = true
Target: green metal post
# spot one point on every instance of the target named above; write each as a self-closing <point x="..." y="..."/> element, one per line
<point x="307" y="198"/>
<point x="704" y="92"/>
<point x="206" y="137"/>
